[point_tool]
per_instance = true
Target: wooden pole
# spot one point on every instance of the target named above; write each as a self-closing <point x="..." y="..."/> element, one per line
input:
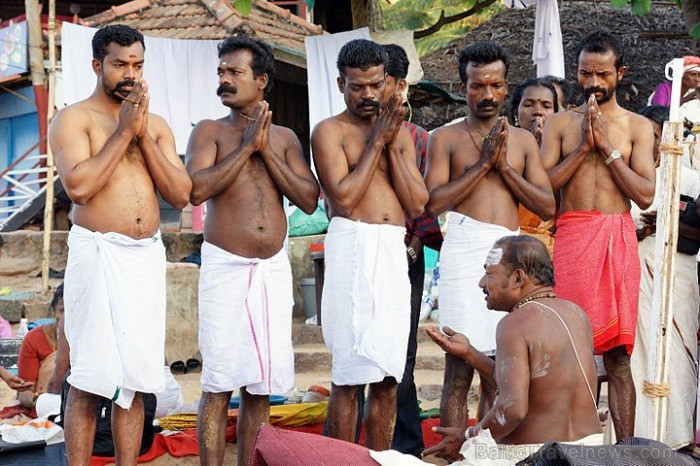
<point x="48" y="206"/>
<point x="655" y="401"/>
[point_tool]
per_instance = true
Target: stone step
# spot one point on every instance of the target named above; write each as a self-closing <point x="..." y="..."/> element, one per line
<point x="315" y="357"/>
<point x="306" y="334"/>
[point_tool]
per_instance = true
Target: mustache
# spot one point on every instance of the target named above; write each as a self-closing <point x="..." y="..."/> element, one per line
<point x="591" y="90"/>
<point x="119" y="88"/>
<point x="126" y="83"/>
<point x="487" y="104"/>
<point x="224" y="88"/>
<point x="368" y="103"/>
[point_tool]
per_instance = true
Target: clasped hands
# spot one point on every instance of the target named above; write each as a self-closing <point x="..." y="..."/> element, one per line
<point x="494" y="150"/>
<point x="594" y="130"/>
<point x="133" y="114"/>
<point x="388" y="123"/>
<point x="257" y="133"/>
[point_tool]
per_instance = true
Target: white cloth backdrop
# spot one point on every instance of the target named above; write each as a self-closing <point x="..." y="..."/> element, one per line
<point x="547" y="50"/>
<point x="325" y="100"/>
<point x="181" y="77"/>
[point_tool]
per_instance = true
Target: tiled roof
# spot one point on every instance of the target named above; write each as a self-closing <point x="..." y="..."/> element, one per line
<point x="211" y="19"/>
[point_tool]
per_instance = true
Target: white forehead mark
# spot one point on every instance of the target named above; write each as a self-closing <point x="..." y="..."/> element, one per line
<point x="494" y="256"/>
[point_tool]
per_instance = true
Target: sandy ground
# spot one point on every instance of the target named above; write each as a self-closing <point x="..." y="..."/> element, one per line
<point x="191" y="390"/>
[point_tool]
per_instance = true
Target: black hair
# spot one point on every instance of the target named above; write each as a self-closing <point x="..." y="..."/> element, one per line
<point x="263" y="58"/>
<point x="119" y="34"/>
<point x="564" y="85"/>
<point x="481" y="53"/>
<point x="656" y="113"/>
<point x="529" y="255"/>
<point x="362" y="54"/>
<point x="520" y="90"/>
<point x="397" y="65"/>
<point x="602" y="41"/>
<point x="57" y="298"/>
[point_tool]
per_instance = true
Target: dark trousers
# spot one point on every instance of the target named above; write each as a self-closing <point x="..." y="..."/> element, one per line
<point x="408" y="435"/>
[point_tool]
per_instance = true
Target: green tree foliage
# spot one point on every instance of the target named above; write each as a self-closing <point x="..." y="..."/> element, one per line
<point x="642" y="7"/>
<point x="422" y="14"/>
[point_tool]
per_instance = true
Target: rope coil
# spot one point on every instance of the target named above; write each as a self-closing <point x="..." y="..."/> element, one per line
<point x="653" y="390"/>
<point x="671" y="149"/>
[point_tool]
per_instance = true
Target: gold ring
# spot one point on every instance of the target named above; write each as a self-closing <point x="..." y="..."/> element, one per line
<point x="136" y="104"/>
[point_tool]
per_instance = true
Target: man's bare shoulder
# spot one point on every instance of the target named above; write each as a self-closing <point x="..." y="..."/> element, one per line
<point x="332" y="122"/>
<point x="520" y="134"/>
<point x="448" y="133"/>
<point x="331" y="125"/>
<point x="74" y="113"/>
<point x="287" y="135"/>
<point x="212" y="127"/>
<point x="535" y="314"/>
<point x="158" y="123"/>
<point x="638" y="124"/>
<point x="564" y="118"/>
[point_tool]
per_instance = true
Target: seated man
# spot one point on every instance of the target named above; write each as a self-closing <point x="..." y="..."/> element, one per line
<point x="38" y="353"/>
<point x="544" y="367"/>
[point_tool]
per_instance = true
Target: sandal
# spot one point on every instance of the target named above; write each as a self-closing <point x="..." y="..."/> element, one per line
<point x="178" y="367"/>
<point x="193" y="366"/>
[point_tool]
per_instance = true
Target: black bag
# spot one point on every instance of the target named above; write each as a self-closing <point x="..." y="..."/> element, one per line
<point x="688" y="214"/>
<point x="104" y="442"/>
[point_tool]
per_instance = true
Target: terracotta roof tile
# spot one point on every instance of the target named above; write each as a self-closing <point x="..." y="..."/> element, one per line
<point x="209" y="19"/>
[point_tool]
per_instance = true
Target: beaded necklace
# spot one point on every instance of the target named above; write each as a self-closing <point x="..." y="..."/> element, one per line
<point x="521" y="303"/>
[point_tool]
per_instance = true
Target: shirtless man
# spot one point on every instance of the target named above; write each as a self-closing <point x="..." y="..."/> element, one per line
<point x="544" y="368"/>
<point x="366" y="163"/>
<point x="601" y="156"/>
<point x="479" y="169"/>
<point x="113" y="158"/>
<point x="242" y="165"/>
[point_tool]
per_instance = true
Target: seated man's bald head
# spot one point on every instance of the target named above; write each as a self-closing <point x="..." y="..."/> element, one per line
<point x="528" y="254"/>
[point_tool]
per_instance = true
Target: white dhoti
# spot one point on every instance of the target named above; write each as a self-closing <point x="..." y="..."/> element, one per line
<point x="483" y="451"/>
<point x="115" y="314"/>
<point x="245" y="322"/>
<point x="366" y="301"/>
<point x="683" y="377"/>
<point x="462" y="305"/>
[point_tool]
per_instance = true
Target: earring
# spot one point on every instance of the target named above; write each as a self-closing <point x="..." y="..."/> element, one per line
<point x="516" y="122"/>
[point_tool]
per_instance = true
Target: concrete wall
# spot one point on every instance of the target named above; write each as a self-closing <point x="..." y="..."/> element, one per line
<point x="21" y="255"/>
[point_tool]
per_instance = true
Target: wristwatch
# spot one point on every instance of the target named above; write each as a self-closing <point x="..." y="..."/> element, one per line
<point x="412" y="253"/>
<point x="614" y="155"/>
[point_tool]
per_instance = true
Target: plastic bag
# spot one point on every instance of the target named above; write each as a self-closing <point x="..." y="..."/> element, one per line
<point x="301" y="224"/>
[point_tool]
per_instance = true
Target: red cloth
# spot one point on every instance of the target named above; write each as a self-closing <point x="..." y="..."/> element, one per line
<point x="279" y="447"/>
<point x="35" y="347"/>
<point x="596" y="265"/>
<point x="178" y="445"/>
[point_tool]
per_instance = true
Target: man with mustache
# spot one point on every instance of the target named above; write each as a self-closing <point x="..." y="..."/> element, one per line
<point x="113" y="158"/>
<point x="600" y="156"/>
<point x="242" y="165"/>
<point x="366" y="163"/>
<point x="480" y="170"/>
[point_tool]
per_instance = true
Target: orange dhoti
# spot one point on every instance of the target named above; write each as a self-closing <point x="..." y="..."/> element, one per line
<point x="596" y="265"/>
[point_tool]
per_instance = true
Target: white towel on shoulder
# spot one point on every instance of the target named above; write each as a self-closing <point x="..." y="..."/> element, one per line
<point x="366" y="301"/>
<point x="115" y="313"/>
<point x="462" y="305"/>
<point x="245" y="322"/>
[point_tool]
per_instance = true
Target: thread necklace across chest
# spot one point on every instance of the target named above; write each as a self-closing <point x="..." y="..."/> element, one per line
<point x="486" y="136"/>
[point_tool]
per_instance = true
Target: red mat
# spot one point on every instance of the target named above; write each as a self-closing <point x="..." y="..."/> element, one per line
<point x="185" y="443"/>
